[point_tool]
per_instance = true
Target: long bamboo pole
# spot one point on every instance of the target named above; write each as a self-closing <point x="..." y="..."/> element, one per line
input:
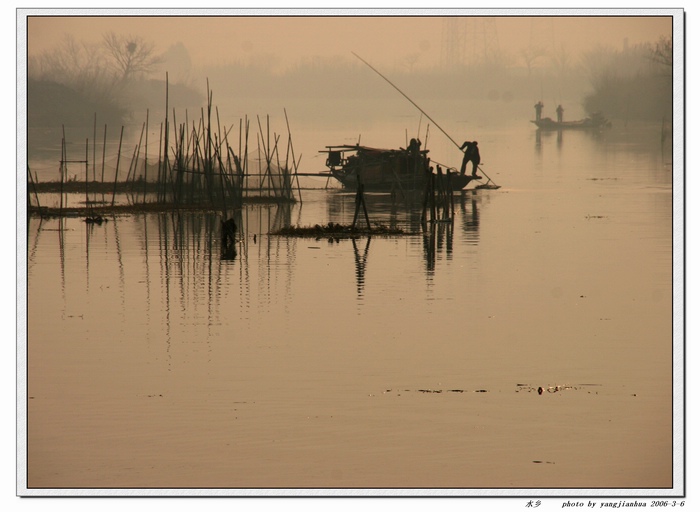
<point x="87" y="170"/>
<point x="104" y="151"/>
<point x="145" y="161"/>
<point x="63" y="163"/>
<point x="116" y="171"/>
<point x="32" y="182"/>
<point x="416" y="105"/>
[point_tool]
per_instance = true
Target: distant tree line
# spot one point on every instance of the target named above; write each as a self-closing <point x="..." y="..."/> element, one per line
<point x="124" y="73"/>
<point x="635" y="83"/>
<point x="75" y="80"/>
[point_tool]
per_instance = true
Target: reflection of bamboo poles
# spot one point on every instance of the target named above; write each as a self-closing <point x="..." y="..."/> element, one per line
<point x="438" y="197"/>
<point x="62" y="257"/>
<point x="361" y="265"/>
<point x="120" y="263"/>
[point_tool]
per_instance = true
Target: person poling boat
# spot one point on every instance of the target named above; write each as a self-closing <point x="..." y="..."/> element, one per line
<point x="471" y="154"/>
<point x="476" y="163"/>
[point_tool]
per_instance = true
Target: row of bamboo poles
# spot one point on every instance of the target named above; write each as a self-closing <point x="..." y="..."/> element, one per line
<point x="197" y="165"/>
<point x="438" y="198"/>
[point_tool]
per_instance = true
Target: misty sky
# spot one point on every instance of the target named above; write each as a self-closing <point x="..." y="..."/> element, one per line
<point x="387" y="41"/>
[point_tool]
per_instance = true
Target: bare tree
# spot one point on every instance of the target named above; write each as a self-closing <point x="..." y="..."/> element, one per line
<point x="561" y="60"/>
<point x="73" y="64"/>
<point x="599" y="63"/>
<point x="662" y="53"/>
<point x="530" y="55"/>
<point x="129" y="57"/>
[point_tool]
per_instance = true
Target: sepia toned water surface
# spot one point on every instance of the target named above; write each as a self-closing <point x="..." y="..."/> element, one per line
<point x="381" y="362"/>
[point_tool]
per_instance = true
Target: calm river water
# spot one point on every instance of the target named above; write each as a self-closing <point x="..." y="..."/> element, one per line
<point x="403" y="363"/>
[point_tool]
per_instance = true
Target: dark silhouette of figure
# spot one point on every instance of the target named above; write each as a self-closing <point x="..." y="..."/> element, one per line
<point x="471" y="154"/>
<point x="560" y="114"/>
<point x="228" y="239"/>
<point x="538" y="110"/>
<point x="414" y="147"/>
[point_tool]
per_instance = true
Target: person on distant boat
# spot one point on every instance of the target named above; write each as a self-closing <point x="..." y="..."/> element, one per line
<point x="538" y="110"/>
<point x="471" y="154"/>
<point x="560" y="114"/>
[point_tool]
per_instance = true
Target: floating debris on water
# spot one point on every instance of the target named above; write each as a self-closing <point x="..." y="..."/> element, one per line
<point x="95" y="219"/>
<point x="518" y="388"/>
<point x="438" y="391"/>
<point x="336" y="232"/>
<point x="549" y="389"/>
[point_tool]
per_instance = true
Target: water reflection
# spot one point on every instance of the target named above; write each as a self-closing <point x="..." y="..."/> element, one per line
<point x="279" y="327"/>
<point x="437" y="237"/>
<point x="187" y="258"/>
<point x="360" y="264"/>
<point x="468" y="205"/>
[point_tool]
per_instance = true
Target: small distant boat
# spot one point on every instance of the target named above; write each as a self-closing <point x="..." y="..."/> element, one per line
<point x="594" y="122"/>
<point x="385" y="169"/>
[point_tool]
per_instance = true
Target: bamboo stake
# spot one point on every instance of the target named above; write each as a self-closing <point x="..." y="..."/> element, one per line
<point x="116" y="171"/>
<point x="160" y="165"/>
<point x="63" y="160"/>
<point x="296" y="175"/>
<point x="31" y="181"/>
<point x="87" y="177"/>
<point x="104" y="149"/>
<point x="94" y="146"/>
<point x="145" y="161"/>
<point x="165" y="131"/>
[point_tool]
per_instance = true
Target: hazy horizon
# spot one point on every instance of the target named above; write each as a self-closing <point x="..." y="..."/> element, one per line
<point x="395" y="42"/>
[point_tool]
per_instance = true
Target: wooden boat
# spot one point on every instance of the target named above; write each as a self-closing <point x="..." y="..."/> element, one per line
<point x="594" y="122"/>
<point x="386" y="169"/>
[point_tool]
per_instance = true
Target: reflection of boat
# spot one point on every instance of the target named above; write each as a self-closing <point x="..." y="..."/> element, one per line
<point x="594" y="122"/>
<point x="385" y="169"/>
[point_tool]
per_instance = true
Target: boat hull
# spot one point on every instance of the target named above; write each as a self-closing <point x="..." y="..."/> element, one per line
<point x="548" y="124"/>
<point x="350" y="181"/>
<point x="387" y="170"/>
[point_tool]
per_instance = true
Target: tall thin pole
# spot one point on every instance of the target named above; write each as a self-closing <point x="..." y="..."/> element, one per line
<point x="404" y="95"/>
<point x="415" y="105"/>
<point x="63" y="163"/>
<point x="104" y="149"/>
<point x="87" y="170"/>
<point x="116" y="171"/>
<point x="145" y="161"/>
<point x="94" y="146"/>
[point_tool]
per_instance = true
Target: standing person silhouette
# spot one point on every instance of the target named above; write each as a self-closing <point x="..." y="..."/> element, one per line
<point x="471" y="154"/>
<point x="538" y="110"/>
